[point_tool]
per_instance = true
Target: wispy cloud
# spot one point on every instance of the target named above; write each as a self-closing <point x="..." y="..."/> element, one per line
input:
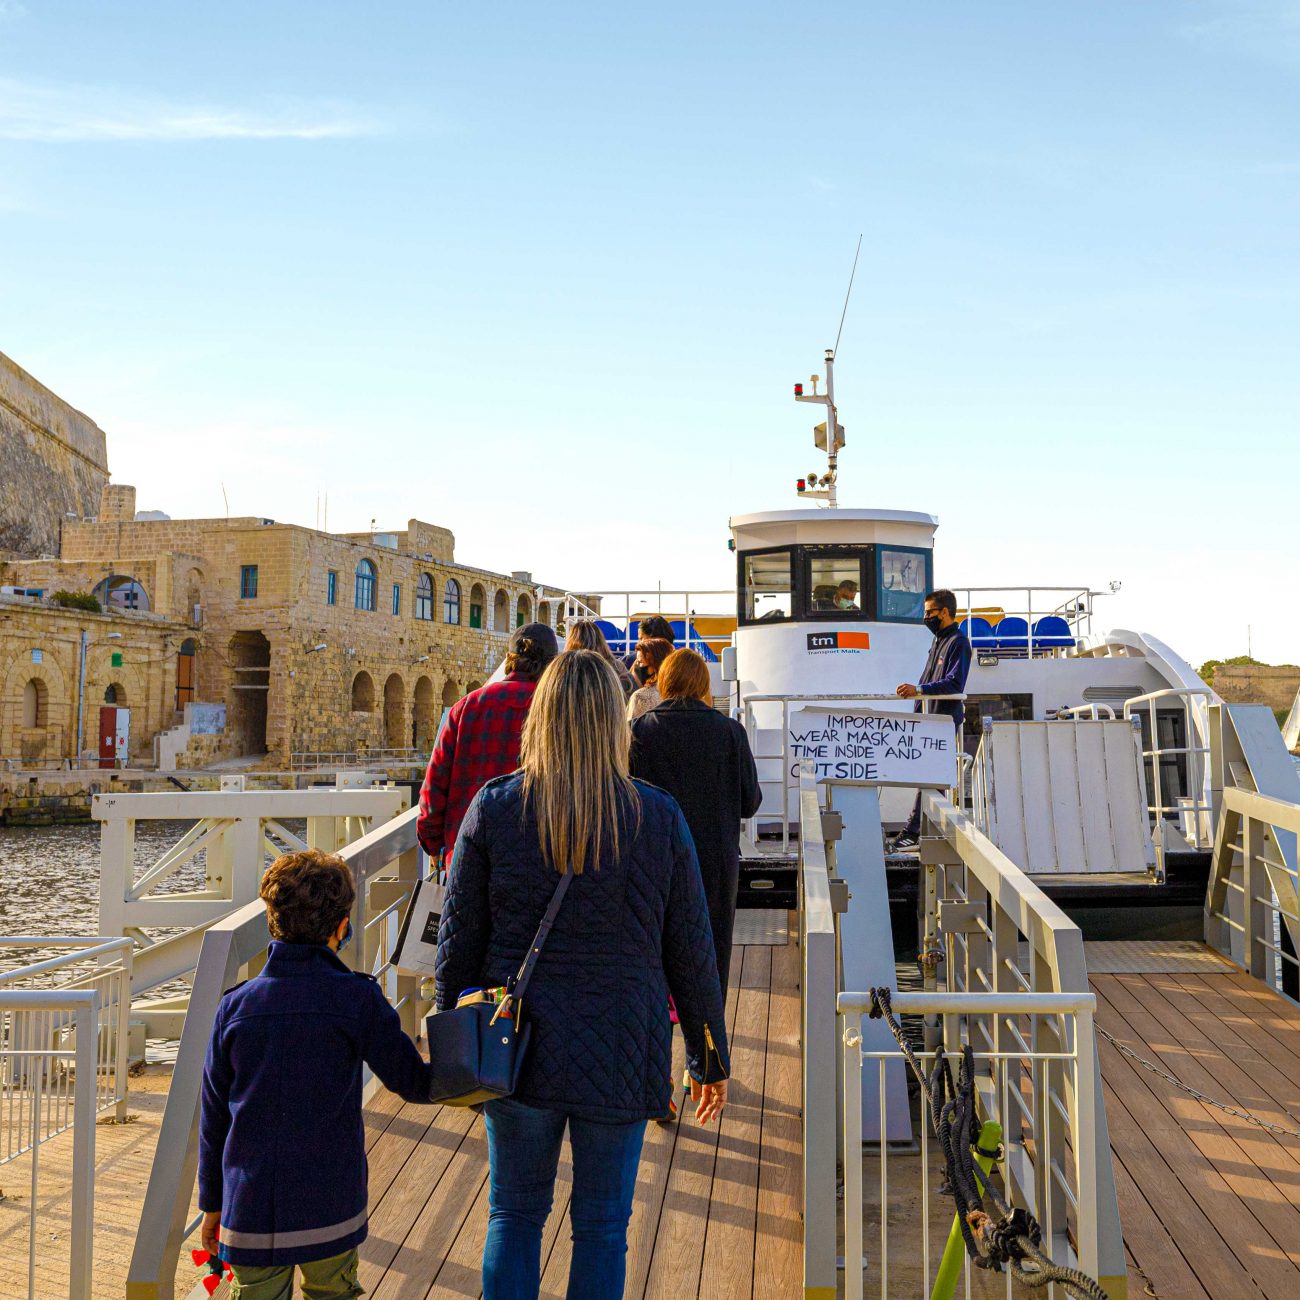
<point x="1262" y="29"/>
<point x="72" y="114"/>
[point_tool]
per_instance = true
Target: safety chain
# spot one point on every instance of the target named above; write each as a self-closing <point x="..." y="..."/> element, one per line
<point x="1193" y="1092"/>
<point x="1010" y="1237"/>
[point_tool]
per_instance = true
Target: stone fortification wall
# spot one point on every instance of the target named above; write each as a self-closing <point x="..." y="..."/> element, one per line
<point x="55" y="459"/>
<point x="1274" y="685"/>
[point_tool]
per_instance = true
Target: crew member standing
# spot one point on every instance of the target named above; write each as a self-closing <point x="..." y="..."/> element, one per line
<point x="944" y="673"/>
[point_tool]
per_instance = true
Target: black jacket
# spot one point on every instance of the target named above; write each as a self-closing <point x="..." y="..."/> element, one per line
<point x="945" y="671"/>
<point x="702" y="758"/>
<point x="627" y="934"/>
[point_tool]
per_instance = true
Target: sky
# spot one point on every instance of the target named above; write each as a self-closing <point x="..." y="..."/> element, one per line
<point x="544" y="274"/>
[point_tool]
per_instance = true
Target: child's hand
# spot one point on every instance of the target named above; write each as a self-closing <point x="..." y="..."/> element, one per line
<point x="208" y="1232"/>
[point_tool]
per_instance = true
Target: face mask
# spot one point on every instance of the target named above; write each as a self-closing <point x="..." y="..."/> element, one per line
<point x="347" y="937"/>
<point x="846" y="602"/>
<point x="934" y="623"/>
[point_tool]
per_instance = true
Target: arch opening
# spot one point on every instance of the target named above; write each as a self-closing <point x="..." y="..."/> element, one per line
<point x="423" y="720"/>
<point x="363" y="693"/>
<point x="249" y="656"/>
<point x="394" y="711"/>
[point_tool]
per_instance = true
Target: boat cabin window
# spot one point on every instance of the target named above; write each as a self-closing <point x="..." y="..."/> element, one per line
<point x="902" y="579"/>
<point x="766" y="583"/>
<point x="834" y="584"/>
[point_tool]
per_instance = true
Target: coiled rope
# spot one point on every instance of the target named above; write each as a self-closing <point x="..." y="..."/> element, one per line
<point x="1006" y="1237"/>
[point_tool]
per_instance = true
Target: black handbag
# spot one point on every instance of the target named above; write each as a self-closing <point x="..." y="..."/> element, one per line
<point x="477" y="1051"/>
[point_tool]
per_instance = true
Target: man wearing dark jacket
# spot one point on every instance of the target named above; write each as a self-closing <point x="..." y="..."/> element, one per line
<point x="702" y="758"/>
<point x="944" y="673"/>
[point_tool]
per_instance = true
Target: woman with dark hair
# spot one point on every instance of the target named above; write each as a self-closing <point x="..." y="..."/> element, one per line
<point x="480" y="739"/>
<point x="632" y="929"/>
<point x="702" y="758"/>
<point x="650" y="653"/>
<point x="584" y="634"/>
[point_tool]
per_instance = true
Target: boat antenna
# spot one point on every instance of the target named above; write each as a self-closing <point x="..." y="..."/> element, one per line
<point x="847" y="292"/>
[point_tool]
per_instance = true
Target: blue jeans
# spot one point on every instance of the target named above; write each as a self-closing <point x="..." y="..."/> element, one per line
<point x="523" y="1154"/>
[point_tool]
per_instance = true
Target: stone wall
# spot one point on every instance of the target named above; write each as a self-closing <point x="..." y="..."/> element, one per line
<point x="55" y="459"/>
<point x="1275" y="686"/>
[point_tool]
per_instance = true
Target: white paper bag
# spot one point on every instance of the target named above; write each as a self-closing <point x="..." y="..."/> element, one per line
<point x="417" y="941"/>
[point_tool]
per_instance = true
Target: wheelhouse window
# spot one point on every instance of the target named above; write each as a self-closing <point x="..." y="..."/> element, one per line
<point x="451" y="601"/>
<point x="424" y="598"/>
<point x="902" y="578"/>
<point x="766" y="587"/>
<point x="365" y="588"/>
<point x="833" y="583"/>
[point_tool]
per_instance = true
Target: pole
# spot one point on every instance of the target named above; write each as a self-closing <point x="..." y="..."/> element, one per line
<point x="81" y="696"/>
<point x="945" y="1281"/>
<point x="832" y="423"/>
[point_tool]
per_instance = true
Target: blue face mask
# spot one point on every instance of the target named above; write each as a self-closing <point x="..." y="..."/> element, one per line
<point x="347" y="936"/>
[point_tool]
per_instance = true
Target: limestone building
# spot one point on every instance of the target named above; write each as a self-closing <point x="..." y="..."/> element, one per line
<point x="249" y="636"/>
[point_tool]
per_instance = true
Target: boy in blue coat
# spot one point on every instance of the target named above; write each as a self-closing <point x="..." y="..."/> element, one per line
<point x="282" y="1162"/>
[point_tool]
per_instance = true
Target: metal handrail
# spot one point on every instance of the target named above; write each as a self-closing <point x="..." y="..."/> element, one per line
<point x="229" y="945"/>
<point x="817" y="989"/>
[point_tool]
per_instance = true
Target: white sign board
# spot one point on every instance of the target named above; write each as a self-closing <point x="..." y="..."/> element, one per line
<point x="911" y="749"/>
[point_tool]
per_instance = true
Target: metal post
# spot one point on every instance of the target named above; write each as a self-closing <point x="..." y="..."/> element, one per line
<point x="832" y="423"/>
<point x="81" y="696"/>
<point x="80" y="1266"/>
<point x="853" y="1231"/>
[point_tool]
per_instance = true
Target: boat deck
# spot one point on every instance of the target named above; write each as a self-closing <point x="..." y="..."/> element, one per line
<point x="717" y="1208"/>
<point x="1210" y="1203"/>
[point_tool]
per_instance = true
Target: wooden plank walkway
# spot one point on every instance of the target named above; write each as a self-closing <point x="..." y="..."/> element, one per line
<point x="717" y="1209"/>
<point x="1210" y="1203"/>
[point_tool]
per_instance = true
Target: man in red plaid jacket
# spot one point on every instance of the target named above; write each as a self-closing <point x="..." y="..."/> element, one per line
<point x="481" y="739"/>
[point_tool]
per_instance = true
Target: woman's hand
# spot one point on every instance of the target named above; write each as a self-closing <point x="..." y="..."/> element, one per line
<point x="209" y="1231"/>
<point x="710" y="1098"/>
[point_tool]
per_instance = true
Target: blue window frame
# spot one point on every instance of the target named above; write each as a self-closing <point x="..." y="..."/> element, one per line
<point x="365" y="588"/>
<point x="451" y="601"/>
<point x="331" y="588"/>
<point x="424" y="598"/>
<point x="248" y="582"/>
<point x="903" y="576"/>
<point x="397" y="598"/>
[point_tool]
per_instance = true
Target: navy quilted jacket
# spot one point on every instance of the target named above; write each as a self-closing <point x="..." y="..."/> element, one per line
<point x="627" y="934"/>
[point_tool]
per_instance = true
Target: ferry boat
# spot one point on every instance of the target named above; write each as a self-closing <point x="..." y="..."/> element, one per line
<point x="1099" y="926"/>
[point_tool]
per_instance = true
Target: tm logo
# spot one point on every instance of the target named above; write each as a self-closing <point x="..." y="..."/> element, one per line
<point x="839" y="641"/>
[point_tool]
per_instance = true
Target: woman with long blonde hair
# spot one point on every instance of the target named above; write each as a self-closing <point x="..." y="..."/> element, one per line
<point x="632" y="928"/>
<point x="585" y="634"/>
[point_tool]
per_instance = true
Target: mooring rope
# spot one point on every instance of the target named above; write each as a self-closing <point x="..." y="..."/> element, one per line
<point x="1005" y="1237"/>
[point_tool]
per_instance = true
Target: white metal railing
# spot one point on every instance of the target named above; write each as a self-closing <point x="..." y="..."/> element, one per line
<point x="385" y="864"/>
<point x="997" y="934"/>
<point x="1074" y="604"/>
<point x="1192" y="812"/>
<point x="1253" y="893"/>
<point x="314" y="760"/>
<point x="748" y="719"/>
<point x="63" y="1062"/>
<point x="216" y="866"/>
<point x="1037" y="1086"/>
<point x="616" y="607"/>
<point x="817" y="988"/>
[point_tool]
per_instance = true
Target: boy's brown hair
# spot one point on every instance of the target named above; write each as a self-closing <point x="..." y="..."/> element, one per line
<point x="307" y="894"/>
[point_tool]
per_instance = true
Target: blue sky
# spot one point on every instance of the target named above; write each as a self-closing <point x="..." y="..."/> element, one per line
<point x="545" y="274"/>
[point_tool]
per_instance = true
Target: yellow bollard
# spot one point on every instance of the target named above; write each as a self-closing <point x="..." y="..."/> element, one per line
<point x="945" y="1281"/>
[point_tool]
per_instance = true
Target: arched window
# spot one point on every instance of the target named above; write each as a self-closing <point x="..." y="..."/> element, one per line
<point x="114" y="694"/>
<point x="424" y="598"/>
<point x="35" y="704"/>
<point x="365" y="598"/>
<point x="119" y="591"/>
<point x="451" y="601"/>
<point x="363" y="693"/>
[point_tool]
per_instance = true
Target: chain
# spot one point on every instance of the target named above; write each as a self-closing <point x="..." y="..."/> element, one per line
<point x="1192" y="1092"/>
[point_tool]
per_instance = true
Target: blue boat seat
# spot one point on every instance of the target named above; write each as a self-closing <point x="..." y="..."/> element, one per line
<point x="979" y="632"/>
<point x="1013" y="633"/>
<point x="616" y="637"/>
<point x="1052" y="632"/>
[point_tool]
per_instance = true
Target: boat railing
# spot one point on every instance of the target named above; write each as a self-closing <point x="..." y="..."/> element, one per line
<point x="1192" y="814"/>
<point x="789" y="774"/>
<point x="1073" y="605"/>
<point x="623" y="608"/>
<point x="63" y="1062"/>
<point x="386" y="863"/>
<point x="1252" y="901"/>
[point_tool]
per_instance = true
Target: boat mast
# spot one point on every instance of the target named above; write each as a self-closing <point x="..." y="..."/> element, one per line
<point x="822" y="487"/>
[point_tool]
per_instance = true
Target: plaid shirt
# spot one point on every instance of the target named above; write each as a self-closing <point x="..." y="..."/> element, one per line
<point x="479" y="742"/>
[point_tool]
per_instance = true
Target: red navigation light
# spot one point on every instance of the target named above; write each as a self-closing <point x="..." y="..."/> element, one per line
<point x="800" y="484"/>
<point x="798" y="390"/>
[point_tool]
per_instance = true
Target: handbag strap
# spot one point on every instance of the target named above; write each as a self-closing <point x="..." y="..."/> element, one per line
<point x="525" y="972"/>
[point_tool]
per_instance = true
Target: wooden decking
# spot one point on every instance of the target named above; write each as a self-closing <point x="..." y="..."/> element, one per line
<point x="717" y="1208"/>
<point x="1210" y="1203"/>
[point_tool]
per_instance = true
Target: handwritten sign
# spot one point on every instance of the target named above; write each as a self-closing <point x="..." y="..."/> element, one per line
<point x="914" y="749"/>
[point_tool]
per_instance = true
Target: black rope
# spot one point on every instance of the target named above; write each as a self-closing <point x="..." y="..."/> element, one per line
<point x="1006" y="1238"/>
